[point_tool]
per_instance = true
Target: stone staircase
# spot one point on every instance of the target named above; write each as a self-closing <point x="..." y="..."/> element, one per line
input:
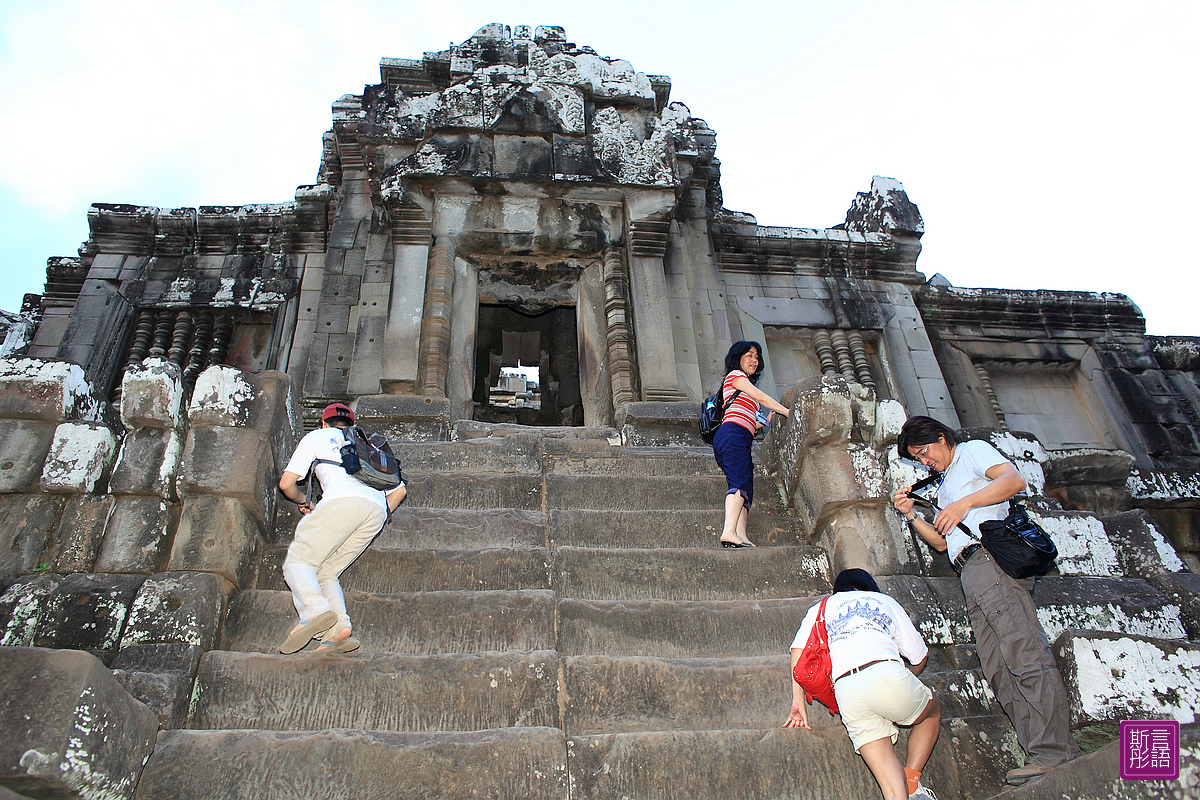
<point x="548" y="616"/>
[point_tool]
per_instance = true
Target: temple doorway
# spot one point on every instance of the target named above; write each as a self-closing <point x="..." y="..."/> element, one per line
<point x="527" y="367"/>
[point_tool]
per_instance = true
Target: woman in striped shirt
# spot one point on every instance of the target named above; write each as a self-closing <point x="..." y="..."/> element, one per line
<point x="731" y="443"/>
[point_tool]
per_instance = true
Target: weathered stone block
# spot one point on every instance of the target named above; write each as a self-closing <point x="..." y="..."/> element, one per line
<point x="51" y="391"/>
<point x="185" y="607"/>
<point x="1115" y="676"/>
<point x="217" y="534"/>
<point x="88" y="612"/>
<point x="161" y="676"/>
<point x="1120" y="605"/>
<point x="80" y="533"/>
<point x="80" y="457"/>
<point x="660" y="424"/>
<point x="230" y="462"/>
<point x="69" y="729"/>
<point x="1097" y="776"/>
<point x="823" y="409"/>
<point x="1022" y="449"/>
<point x="836" y="476"/>
<point x="166" y="694"/>
<point x="1083" y="545"/>
<point x="405" y="417"/>
<point x="138" y="536"/>
<point x="953" y="604"/>
<point x="24" y="445"/>
<point x="1142" y="550"/>
<point x="867" y="536"/>
<point x="152" y="395"/>
<point x="22" y="606"/>
<point x="1087" y="466"/>
<point x="27" y="521"/>
<point x="148" y="463"/>
<point x="263" y="402"/>
<point x="1183" y="590"/>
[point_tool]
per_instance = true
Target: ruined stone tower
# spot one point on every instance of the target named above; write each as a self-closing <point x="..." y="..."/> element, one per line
<point x="515" y="261"/>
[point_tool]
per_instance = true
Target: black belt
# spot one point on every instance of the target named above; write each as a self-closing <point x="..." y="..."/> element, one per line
<point x="965" y="556"/>
<point x="862" y="667"/>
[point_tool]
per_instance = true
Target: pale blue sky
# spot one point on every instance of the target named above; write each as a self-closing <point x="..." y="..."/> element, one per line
<point x="1048" y="144"/>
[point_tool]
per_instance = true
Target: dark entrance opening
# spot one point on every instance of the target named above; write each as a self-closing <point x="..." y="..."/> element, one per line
<point x="527" y="367"/>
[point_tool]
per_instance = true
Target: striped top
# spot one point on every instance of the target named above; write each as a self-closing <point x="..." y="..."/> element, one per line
<point x="742" y="411"/>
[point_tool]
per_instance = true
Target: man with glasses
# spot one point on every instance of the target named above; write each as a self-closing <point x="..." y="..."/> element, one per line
<point x="977" y="481"/>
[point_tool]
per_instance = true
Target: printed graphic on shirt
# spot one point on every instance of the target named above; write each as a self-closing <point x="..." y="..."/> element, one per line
<point x="857" y="616"/>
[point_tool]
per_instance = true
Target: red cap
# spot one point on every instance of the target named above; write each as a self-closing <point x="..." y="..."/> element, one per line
<point x="337" y="410"/>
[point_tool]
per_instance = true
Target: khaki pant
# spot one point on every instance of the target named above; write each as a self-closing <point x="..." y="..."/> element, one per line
<point x="1017" y="661"/>
<point x="327" y="541"/>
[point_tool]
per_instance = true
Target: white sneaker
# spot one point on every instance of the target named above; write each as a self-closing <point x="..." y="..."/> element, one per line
<point x="922" y="793"/>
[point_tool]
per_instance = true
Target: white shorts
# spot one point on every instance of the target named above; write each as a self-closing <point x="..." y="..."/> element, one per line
<point x="876" y="699"/>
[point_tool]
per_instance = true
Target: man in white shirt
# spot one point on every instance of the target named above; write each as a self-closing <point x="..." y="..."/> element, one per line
<point x="977" y="482"/>
<point x="331" y="534"/>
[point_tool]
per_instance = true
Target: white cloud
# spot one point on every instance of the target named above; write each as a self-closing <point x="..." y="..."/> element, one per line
<point x="1043" y="141"/>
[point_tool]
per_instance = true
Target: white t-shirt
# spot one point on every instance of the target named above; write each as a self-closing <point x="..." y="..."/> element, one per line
<point x="965" y="475"/>
<point x="864" y="627"/>
<point x="335" y="482"/>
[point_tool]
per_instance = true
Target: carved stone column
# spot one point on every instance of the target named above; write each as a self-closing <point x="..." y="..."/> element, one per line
<point x="411" y="235"/>
<point x="621" y="364"/>
<point x="652" y="311"/>
<point x="434" y="354"/>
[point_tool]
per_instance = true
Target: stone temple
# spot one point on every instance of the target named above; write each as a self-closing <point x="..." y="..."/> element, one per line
<point x="515" y="261"/>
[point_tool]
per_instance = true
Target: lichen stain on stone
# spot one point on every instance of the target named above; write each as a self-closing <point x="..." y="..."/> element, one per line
<point x="1161" y="623"/>
<point x="1145" y="485"/>
<point x="1083" y="545"/>
<point x="61" y="383"/>
<point x="224" y="390"/>
<point x="78" y="456"/>
<point x="1152" y="680"/>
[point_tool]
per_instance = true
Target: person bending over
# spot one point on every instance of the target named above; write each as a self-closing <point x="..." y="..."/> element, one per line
<point x="869" y="632"/>
<point x="1014" y="652"/>
<point x="330" y="535"/>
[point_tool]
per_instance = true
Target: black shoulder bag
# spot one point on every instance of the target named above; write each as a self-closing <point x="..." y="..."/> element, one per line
<point x="1016" y="543"/>
<point x="712" y="413"/>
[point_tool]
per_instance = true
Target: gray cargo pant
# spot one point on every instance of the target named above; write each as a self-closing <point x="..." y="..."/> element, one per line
<point x="1017" y="661"/>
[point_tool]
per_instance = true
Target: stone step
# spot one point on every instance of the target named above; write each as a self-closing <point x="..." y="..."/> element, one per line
<point x="773" y="763"/>
<point x="423" y="623"/>
<point x="664" y="528"/>
<point x="614" y="695"/>
<point x="679" y="629"/>
<point x="609" y="493"/>
<point x="480" y="491"/>
<point x="711" y="573"/>
<point x="528" y="763"/>
<point x="467" y="429"/>
<point x="386" y="571"/>
<point x="495" y="455"/>
<point x="598" y="457"/>
<point x="462" y="529"/>
<point x="765" y="764"/>
<point x="383" y="692"/>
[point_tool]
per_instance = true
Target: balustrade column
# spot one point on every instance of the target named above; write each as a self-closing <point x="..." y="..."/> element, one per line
<point x="434" y="354"/>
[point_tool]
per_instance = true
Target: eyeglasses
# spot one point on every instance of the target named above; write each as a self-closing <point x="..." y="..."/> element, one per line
<point x="924" y="451"/>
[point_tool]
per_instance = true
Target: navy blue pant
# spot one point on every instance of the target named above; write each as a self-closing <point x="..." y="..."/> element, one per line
<point x="731" y="446"/>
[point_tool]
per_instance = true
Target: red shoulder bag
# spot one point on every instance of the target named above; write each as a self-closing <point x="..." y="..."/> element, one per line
<point x="814" y="670"/>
